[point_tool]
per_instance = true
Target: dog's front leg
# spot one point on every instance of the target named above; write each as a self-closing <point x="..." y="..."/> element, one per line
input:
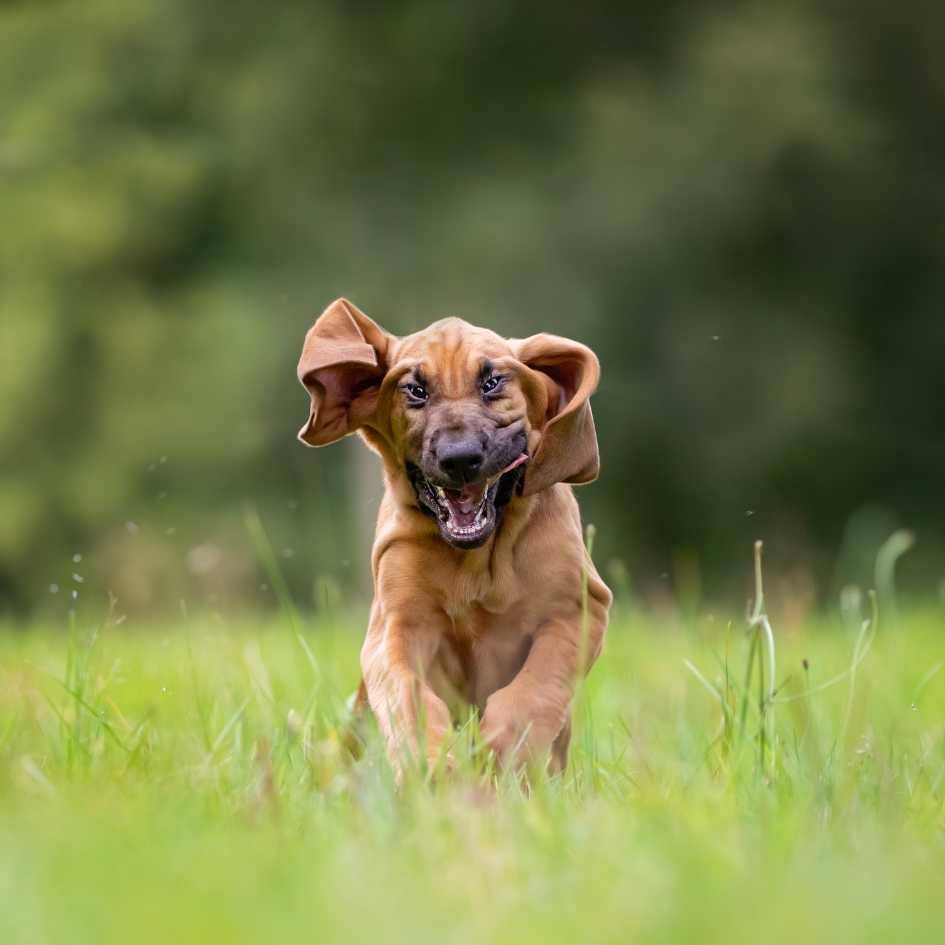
<point x="524" y="720"/>
<point x="395" y="659"/>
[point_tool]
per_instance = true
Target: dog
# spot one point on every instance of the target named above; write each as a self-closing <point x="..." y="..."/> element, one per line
<point x="484" y="593"/>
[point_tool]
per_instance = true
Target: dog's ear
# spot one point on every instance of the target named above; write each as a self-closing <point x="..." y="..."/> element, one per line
<point x="567" y="451"/>
<point x="344" y="360"/>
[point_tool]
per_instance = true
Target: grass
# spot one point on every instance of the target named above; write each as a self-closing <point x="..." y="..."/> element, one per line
<point x="188" y="782"/>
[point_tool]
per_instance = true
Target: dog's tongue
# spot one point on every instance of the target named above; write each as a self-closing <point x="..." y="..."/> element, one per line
<point x="464" y="503"/>
<point x="522" y="458"/>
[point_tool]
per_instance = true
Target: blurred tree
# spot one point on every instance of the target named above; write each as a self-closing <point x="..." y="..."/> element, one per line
<point x="740" y="207"/>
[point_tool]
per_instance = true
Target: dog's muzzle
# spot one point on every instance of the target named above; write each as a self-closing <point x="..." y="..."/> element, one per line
<point x="469" y="515"/>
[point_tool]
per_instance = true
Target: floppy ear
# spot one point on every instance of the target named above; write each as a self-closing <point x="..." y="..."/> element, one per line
<point x="567" y="451"/>
<point x="344" y="360"/>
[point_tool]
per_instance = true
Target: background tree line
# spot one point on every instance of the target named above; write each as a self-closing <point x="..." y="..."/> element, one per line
<point x="739" y="206"/>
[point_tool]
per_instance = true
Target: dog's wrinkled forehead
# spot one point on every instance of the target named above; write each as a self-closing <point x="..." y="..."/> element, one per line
<point x="451" y="352"/>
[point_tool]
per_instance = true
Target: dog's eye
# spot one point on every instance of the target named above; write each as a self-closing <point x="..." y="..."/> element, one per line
<point x="416" y="394"/>
<point x="492" y="383"/>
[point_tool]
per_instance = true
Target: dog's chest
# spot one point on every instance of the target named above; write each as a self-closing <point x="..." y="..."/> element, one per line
<point x="482" y="653"/>
<point x="472" y="595"/>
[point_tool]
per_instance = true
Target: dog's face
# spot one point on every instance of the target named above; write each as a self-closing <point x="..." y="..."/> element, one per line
<point x="460" y="416"/>
<point x="467" y="419"/>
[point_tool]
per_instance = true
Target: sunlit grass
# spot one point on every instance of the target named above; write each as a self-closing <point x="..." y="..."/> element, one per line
<point x="189" y="782"/>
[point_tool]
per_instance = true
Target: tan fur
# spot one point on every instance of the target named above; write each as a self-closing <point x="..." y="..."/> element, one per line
<point x="497" y="627"/>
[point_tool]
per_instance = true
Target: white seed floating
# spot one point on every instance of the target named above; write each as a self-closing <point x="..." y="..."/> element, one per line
<point x="75" y="595"/>
<point x="53" y="588"/>
<point x="76" y="558"/>
<point x="78" y="578"/>
<point x="132" y="528"/>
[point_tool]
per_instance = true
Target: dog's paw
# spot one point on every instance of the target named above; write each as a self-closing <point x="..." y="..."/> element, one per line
<point x="518" y="733"/>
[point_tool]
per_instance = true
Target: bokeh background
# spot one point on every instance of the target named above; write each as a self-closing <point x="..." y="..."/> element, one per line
<point x="740" y="206"/>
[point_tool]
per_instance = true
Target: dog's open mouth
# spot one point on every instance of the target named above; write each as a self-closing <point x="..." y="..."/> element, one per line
<point x="468" y="516"/>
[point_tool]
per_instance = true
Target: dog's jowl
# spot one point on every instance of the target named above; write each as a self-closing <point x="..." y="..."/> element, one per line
<point x="479" y="560"/>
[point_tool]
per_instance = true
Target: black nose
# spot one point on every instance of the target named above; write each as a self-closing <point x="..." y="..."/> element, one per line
<point x="461" y="460"/>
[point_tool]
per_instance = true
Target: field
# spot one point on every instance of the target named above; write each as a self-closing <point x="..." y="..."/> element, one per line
<point x="189" y="783"/>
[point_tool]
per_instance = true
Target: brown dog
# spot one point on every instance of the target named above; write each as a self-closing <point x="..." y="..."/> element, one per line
<point x="484" y="594"/>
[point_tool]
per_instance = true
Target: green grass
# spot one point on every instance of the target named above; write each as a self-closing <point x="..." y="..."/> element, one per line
<point x="188" y="783"/>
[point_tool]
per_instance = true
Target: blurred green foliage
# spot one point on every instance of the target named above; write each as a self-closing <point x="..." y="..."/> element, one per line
<point x="740" y="206"/>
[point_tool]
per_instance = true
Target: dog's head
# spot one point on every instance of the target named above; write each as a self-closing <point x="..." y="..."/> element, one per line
<point x="465" y="419"/>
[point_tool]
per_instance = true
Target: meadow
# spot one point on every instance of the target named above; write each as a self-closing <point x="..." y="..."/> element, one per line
<point x="190" y="781"/>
